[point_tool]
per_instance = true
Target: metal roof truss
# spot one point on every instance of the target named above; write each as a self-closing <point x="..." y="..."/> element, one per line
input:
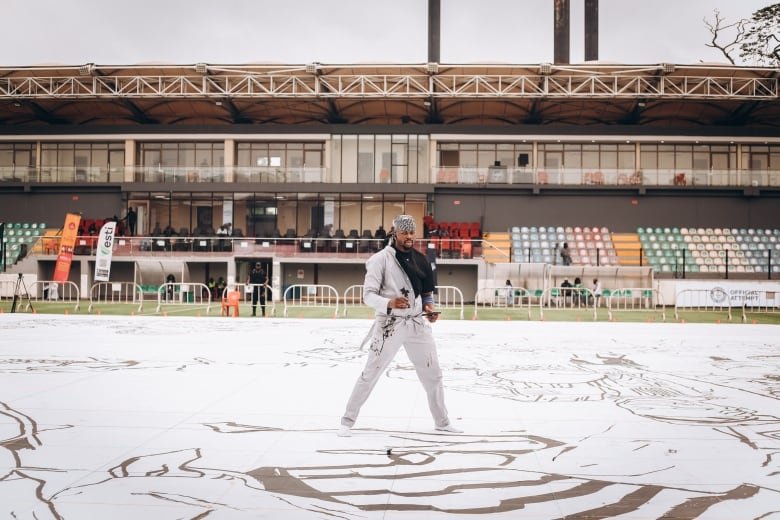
<point x="383" y="86"/>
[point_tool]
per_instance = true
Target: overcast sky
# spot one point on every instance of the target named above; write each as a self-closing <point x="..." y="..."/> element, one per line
<point x="74" y="32"/>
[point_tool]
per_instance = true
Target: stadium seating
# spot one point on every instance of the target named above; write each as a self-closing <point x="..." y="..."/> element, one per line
<point x="20" y="238"/>
<point x="449" y="238"/>
<point x="710" y="250"/>
<point x="588" y="245"/>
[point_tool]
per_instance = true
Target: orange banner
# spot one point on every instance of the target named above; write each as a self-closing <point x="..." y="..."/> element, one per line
<point x="65" y="256"/>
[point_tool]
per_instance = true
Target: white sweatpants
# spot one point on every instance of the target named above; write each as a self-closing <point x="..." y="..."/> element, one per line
<point x="388" y="336"/>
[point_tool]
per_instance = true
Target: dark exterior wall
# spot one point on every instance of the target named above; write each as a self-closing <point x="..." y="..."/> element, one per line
<point x="619" y="212"/>
<point x="52" y="207"/>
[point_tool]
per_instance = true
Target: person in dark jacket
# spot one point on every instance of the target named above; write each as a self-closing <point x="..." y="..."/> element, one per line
<point x="258" y="279"/>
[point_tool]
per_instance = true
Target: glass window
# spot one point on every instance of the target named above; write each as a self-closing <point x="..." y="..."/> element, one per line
<point x="666" y="157"/>
<point x="626" y="156"/>
<point x="608" y="157"/>
<point x="349" y="158"/>
<point x="573" y="156"/>
<point x="648" y="156"/>
<point x="384" y="158"/>
<point x="590" y="157"/>
<point x="365" y="159"/>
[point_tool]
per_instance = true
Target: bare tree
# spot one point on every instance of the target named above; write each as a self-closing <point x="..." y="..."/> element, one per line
<point x="719" y="29"/>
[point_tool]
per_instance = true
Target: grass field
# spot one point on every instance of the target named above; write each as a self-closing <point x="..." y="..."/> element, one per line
<point x="502" y="314"/>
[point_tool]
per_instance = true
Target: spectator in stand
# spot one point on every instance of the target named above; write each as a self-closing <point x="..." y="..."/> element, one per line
<point x="157" y="232"/>
<point x="380" y="233"/>
<point x="566" y="254"/>
<point x="221" y="285"/>
<point x="132" y="219"/>
<point x="428" y="225"/>
<point x="92" y="230"/>
<point x="596" y="291"/>
<point x="211" y="285"/>
<point x="577" y="292"/>
<point x="566" y="290"/>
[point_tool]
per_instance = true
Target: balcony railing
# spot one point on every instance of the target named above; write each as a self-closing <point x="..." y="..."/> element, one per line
<point x="439" y="175"/>
<point x="605" y="177"/>
<point x="76" y="175"/>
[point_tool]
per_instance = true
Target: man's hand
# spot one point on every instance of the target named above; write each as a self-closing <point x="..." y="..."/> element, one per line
<point x="431" y="313"/>
<point x="400" y="302"/>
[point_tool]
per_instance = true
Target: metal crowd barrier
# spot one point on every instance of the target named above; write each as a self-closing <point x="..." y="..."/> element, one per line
<point x="311" y="296"/>
<point x="703" y="300"/>
<point x="635" y="299"/>
<point x="449" y="297"/>
<point x="49" y="291"/>
<point x="352" y="297"/>
<point x="116" y="292"/>
<point x="567" y="299"/>
<point x="496" y="297"/>
<point x="183" y="294"/>
<point x="760" y="302"/>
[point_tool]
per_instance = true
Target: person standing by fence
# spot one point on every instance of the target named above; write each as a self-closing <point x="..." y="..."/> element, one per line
<point x="258" y="279"/>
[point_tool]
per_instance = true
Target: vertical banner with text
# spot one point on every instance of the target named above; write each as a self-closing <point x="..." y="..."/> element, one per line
<point x="65" y="256"/>
<point x="104" y="251"/>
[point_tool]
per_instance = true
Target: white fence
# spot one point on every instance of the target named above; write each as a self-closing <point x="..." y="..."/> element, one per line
<point x="567" y="299"/>
<point x="705" y="300"/>
<point x="497" y="297"/>
<point x="115" y="293"/>
<point x="183" y="294"/>
<point x="449" y="297"/>
<point x="352" y="297"/>
<point x="311" y="296"/>
<point x="635" y="299"/>
<point x="760" y="302"/>
<point x="50" y="292"/>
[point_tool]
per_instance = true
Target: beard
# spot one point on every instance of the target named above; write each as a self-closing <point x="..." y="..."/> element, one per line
<point x="404" y="245"/>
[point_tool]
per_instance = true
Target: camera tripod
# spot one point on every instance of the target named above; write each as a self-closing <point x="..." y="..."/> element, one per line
<point x="18" y="294"/>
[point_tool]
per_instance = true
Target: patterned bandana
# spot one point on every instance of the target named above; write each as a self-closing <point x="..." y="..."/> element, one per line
<point x="404" y="223"/>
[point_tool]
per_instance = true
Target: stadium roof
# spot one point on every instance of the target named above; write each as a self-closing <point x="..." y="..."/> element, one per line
<point x="662" y="95"/>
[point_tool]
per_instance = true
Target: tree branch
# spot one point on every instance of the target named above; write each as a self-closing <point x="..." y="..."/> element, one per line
<point x="717" y="28"/>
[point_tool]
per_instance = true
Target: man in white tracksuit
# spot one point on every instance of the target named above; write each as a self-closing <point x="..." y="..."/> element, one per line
<point x="399" y="285"/>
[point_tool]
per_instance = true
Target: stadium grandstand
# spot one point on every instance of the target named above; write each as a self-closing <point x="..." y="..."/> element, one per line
<point x="669" y="167"/>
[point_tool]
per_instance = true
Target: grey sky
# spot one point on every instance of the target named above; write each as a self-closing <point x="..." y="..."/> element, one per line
<point x="73" y="32"/>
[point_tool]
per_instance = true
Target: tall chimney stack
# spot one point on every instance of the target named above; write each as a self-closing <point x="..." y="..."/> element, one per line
<point x="561" y="29"/>
<point x="434" y="31"/>
<point x="591" y="30"/>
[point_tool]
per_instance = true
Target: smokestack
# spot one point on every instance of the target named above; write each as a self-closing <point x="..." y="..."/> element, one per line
<point x="591" y="30"/>
<point x="561" y="29"/>
<point x="434" y="31"/>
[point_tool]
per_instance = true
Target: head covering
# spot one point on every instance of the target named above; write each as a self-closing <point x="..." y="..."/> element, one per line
<point x="404" y="223"/>
<point x="258" y="265"/>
